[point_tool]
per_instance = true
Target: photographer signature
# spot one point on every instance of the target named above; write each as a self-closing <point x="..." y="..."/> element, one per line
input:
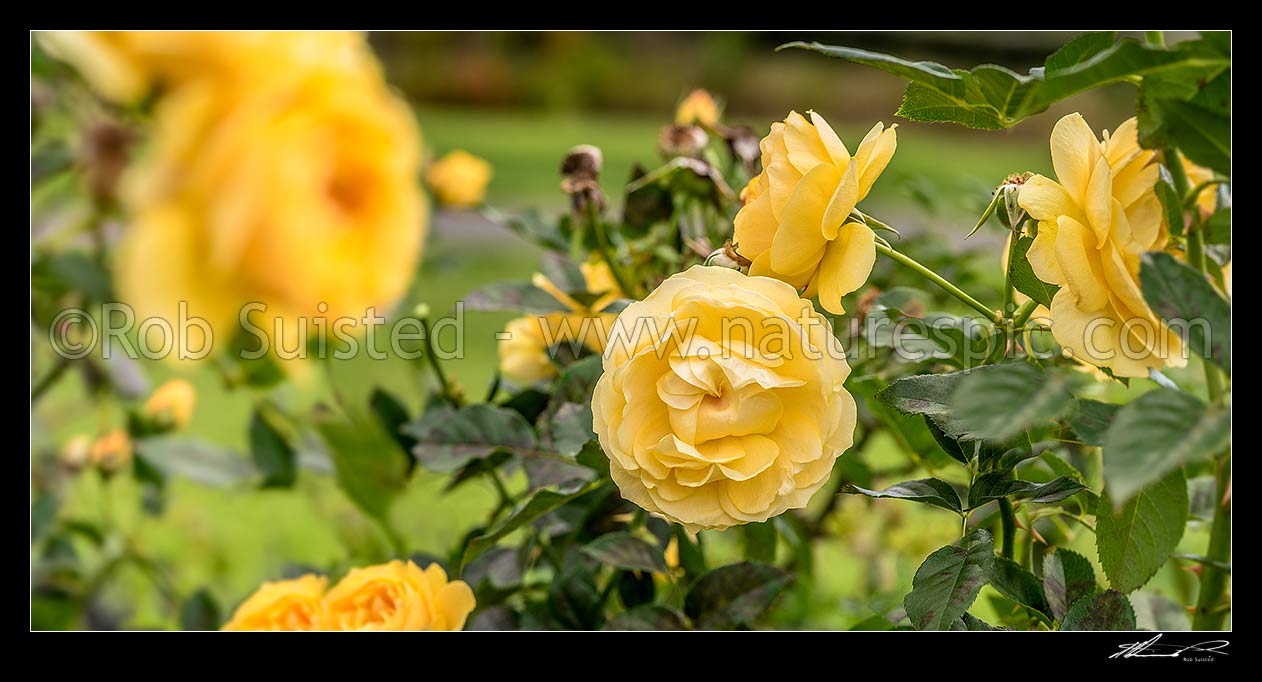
<point x="1152" y="649"/>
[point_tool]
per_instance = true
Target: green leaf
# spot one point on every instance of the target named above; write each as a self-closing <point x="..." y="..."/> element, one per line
<point x="970" y="623"/>
<point x="948" y="581"/>
<point x="271" y="453"/>
<point x="734" y="596"/>
<point x="928" y="395"/>
<point x="577" y="381"/>
<point x="1171" y="203"/>
<point x="1135" y="541"/>
<point x="996" y="484"/>
<point x="533" y="226"/>
<point x="1218" y="227"/>
<point x="195" y="460"/>
<point x="1091" y="419"/>
<point x="910" y="431"/>
<point x="625" y="551"/>
<point x="574" y="599"/>
<point x="1155" y="612"/>
<point x="371" y="468"/>
<point x="648" y="617"/>
<point x="513" y="296"/>
<point x="1160" y="431"/>
<point x="760" y="541"/>
<point x="447" y="438"/>
<point x="934" y="491"/>
<point x="997" y="402"/>
<point x="393" y="415"/>
<point x="593" y="457"/>
<point x="536" y="505"/>
<point x="1022" y="276"/>
<point x="1067" y="577"/>
<point x="992" y="97"/>
<point x="1079" y="50"/>
<point x="1018" y="584"/>
<point x="1188" y="303"/>
<point x="200" y="612"/>
<point x="1108" y="610"/>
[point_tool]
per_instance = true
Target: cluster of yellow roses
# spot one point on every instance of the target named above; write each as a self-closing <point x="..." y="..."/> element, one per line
<point x="742" y="415"/>
<point x="168" y="407"/>
<point x="282" y="171"/>
<point x="393" y="596"/>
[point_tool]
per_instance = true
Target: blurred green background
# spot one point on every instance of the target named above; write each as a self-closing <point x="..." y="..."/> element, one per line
<point x="521" y="101"/>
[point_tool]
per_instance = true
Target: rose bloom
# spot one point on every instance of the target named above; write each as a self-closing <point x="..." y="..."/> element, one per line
<point x="722" y="399"/>
<point x="124" y="65"/>
<point x="172" y="403"/>
<point x="398" y="596"/>
<point x="459" y="179"/>
<point x="698" y="108"/>
<point x="300" y="195"/>
<point x="1094" y="222"/>
<point x="795" y="224"/>
<point x="286" y="605"/>
<point x="112" y="451"/>
<point x="524" y="352"/>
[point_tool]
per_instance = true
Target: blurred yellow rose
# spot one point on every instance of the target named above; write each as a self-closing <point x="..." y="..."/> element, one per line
<point x="524" y="351"/>
<point x="795" y="224"/>
<point x="1093" y="225"/>
<point x="398" y="596"/>
<point x="1227" y="278"/>
<point x="459" y="179"/>
<point x="124" y="65"/>
<point x="286" y="605"/>
<point x="301" y="196"/>
<point x="698" y="108"/>
<point x="721" y="401"/>
<point x="112" y="451"/>
<point x="171" y="404"/>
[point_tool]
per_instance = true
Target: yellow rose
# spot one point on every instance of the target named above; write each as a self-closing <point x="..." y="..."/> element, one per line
<point x="1093" y="225"/>
<point x="524" y="349"/>
<point x="124" y="65"/>
<point x="172" y="404"/>
<point x="721" y="401"/>
<point x="398" y="596"/>
<point x="1227" y="278"/>
<point x="795" y="223"/>
<point x="301" y="196"/>
<point x="459" y="179"/>
<point x="698" y="108"/>
<point x="523" y="352"/>
<point x="112" y="451"/>
<point x="285" y="605"/>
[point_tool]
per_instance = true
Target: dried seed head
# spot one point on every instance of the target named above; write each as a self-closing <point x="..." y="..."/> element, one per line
<point x="681" y="140"/>
<point x="584" y="160"/>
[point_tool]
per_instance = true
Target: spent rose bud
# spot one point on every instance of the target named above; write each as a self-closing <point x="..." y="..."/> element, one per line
<point x="76" y="453"/>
